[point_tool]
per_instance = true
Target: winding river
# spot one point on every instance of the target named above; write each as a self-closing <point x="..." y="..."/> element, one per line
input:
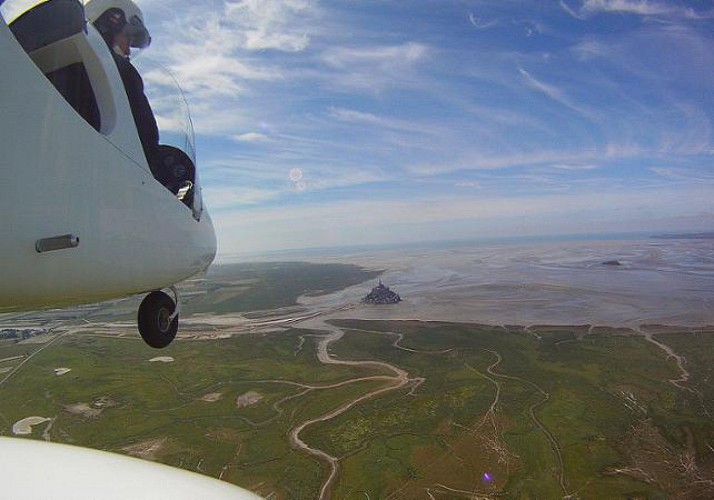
<point x="400" y="379"/>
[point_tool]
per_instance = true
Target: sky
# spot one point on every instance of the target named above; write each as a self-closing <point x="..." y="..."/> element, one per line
<point x="347" y="122"/>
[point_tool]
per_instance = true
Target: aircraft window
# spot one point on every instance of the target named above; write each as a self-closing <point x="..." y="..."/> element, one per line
<point x="175" y="165"/>
<point x="169" y="105"/>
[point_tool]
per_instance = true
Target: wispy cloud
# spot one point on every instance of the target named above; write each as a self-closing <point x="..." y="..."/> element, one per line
<point x="251" y="137"/>
<point x="270" y="24"/>
<point x="556" y="159"/>
<point x="373" y="68"/>
<point x="469" y="184"/>
<point x="641" y="7"/>
<point x="573" y="11"/>
<point x="479" y="23"/>
<point x="407" y="127"/>
<point x="344" y="57"/>
<point x="682" y="174"/>
<point x="350" y="115"/>
<point x="574" y="167"/>
<point x="645" y="8"/>
<point x="218" y="57"/>
<point x="550" y="90"/>
<point x="590" y="49"/>
<point x="554" y="93"/>
<point x="439" y="121"/>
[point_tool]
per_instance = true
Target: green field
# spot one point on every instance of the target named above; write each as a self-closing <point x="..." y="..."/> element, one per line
<point x="546" y="412"/>
<point x="407" y="441"/>
<point x="594" y="426"/>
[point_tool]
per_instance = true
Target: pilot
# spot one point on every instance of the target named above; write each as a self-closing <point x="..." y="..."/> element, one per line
<point x="121" y="24"/>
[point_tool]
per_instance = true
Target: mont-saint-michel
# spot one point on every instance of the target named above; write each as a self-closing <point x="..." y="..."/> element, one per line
<point x="381" y="294"/>
<point x="512" y="371"/>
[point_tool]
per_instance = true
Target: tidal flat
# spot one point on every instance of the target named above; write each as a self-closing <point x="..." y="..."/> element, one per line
<point x="668" y="282"/>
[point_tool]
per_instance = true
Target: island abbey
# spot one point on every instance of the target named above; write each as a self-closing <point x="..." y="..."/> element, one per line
<point x="381" y="294"/>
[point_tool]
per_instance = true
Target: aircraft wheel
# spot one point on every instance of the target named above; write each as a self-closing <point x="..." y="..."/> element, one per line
<point x="157" y="323"/>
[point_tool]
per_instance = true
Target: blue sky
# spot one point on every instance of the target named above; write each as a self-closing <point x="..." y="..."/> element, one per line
<point x="356" y="122"/>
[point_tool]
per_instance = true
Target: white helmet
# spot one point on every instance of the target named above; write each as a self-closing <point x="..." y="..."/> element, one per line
<point x="110" y="17"/>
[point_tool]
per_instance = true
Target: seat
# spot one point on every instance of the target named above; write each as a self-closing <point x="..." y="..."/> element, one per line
<point x="73" y="83"/>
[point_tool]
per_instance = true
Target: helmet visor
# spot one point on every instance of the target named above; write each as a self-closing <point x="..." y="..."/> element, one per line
<point x="138" y="33"/>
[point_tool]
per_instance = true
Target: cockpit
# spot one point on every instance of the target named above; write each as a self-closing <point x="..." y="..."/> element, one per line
<point x="71" y="54"/>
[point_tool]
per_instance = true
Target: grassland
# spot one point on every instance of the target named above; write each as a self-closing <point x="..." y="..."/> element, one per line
<point x="613" y="417"/>
<point x="610" y="417"/>
<point x="547" y="412"/>
<point x="138" y="403"/>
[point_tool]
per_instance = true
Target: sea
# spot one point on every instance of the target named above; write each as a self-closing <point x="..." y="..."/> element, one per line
<point x="602" y="280"/>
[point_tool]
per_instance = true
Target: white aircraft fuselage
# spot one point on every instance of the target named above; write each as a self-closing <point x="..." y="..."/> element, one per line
<point x="83" y="218"/>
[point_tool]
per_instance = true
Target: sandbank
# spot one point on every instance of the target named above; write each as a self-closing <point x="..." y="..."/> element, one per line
<point x="162" y="359"/>
<point x="24" y="427"/>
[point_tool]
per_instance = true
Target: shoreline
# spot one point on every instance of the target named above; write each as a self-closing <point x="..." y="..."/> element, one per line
<point x="392" y="313"/>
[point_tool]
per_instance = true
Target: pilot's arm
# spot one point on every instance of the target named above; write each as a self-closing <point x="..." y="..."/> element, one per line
<point x="140" y="108"/>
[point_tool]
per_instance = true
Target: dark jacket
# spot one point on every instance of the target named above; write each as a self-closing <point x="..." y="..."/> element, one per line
<point x="140" y="108"/>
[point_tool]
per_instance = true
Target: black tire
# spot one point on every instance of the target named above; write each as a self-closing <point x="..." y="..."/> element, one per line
<point x="153" y="320"/>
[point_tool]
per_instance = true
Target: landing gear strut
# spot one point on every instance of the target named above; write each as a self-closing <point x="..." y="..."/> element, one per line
<point x="158" y="319"/>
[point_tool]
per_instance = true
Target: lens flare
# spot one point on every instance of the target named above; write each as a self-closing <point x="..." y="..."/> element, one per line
<point x="295" y="174"/>
<point x="487" y="477"/>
